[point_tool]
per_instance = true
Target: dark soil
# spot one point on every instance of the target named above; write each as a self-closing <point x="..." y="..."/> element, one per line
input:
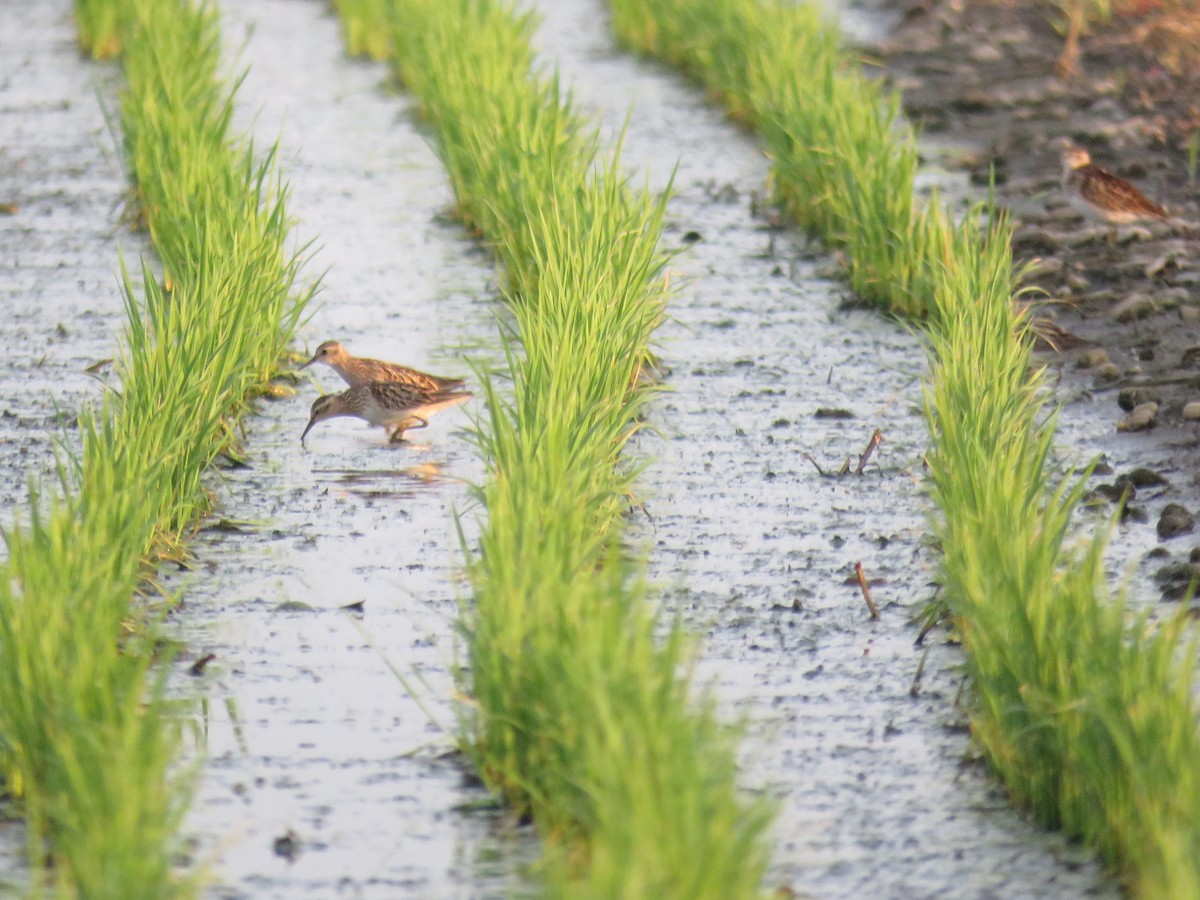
<point x="982" y="73"/>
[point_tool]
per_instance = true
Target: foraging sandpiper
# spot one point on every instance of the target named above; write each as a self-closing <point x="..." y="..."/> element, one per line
<point x="1102" y="196"/>
<point x="397" y="407"/>
<point x="356" y="371"/>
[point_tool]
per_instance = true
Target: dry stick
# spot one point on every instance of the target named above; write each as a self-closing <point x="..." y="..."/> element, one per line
<point x="816" y="465"/>
<point x="866" y="590"/>
<point x="876" y="438"/>
<point x="914" y="689"/>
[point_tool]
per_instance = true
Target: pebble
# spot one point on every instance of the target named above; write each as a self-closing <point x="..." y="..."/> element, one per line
<point x="1135" y="306"/>
<point x="1108" y="371"/>
<point x="1157" y="266"/>
<point x="1091" y="358"/>
<point x="1141" y="418"/>
<point x="1189" y="313"/>
<point x="1191" y="410"/>
<point x="1051" y="265"/>
<point x="1176" y="579"/>
<point x="984" y="52"/>
<point x="1174" y="520"/>
<point x="1130" y="398"/>
<point x="1143" y="477"/>
<point x="1037" y="240"/>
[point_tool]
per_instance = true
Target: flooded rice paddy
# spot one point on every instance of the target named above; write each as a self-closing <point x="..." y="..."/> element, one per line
<point x="322" y="776"/>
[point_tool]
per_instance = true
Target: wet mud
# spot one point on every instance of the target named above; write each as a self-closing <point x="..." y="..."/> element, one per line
<point x="321" y="775"/>
<point x="981" y="76"/>
<point x="61" y="197"/>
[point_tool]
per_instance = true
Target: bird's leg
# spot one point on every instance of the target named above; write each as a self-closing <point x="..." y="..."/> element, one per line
<point x="1112" y="236"/>
<point x="405" y="425"/>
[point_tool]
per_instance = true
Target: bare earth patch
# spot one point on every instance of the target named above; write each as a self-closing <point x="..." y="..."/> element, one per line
<point x="1123" y="318"/>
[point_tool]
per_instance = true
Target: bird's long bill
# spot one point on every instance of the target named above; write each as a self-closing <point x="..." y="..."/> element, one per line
<point x="311" y="422"/>
<point x="309" y="363"/>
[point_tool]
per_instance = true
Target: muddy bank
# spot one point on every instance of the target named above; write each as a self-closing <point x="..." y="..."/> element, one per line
<point x="981" y="76"/>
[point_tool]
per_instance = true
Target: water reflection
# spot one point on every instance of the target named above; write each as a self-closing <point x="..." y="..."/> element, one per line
<point x="398" y="484"/>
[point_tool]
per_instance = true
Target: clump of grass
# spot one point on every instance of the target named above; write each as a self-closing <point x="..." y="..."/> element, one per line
<point x="1085" y="713"/>
<point x="579" y="716"/>
<point x="363" y="27"/>
<point x="98" y="27"/>
<point x="87" y="738"/>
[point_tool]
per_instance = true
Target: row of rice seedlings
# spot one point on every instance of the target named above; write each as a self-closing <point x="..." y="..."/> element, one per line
<point x="841" y="150"/>
<point x="578" y="715"/>
<point x="1087" y="716"/>
<point x="87" y="739"/>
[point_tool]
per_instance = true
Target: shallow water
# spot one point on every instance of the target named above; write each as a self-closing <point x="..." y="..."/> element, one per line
<point x="308" y="731"/>
<point x="58" y="243"/>
<point x="303" y="726"/>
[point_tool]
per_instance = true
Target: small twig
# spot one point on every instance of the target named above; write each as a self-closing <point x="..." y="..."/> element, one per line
<point x="876" y="438"/>
<point x="914" y="689"/>
<point x="197" y="668"/>
<point x="816" y="465"/>
<point x="866" y="590"/>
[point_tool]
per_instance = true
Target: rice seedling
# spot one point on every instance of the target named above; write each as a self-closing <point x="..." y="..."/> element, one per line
<point x="97" y="27"/>
<point x="1085" y="711"/>
<point x="363" y="27"/>
<point x="87" y="738"/>
<point x="579" y="716"/>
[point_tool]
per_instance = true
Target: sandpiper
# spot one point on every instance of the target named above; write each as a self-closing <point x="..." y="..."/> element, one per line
<point x="1102" y="196"/>
<point x="397" y="407"/>
<point x="355" y="370"/>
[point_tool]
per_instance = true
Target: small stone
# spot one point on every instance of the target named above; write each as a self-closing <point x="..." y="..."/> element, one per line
<point x="1177" y="579"/>
<point x="984" y="52"/>
<point x="1110" y="371"/>
<point x="1157" y="266"/>
<point x="1133" y="233"/>
<point x="1191" y="410"/>
<point x="1115" y="492"/>
<point x="1037" y="241"/>
<point x="1091" y="358"/>
<point x="1130" y="513"/>
<point x="1131" y="397"/>
<point x="1135" y="306"/>
<point x="1174" y="520"/>
<point x="1189" y="313"/>
<point x="1050" y="265"/>
<point x="1143" y="477"/>
<point x="1142" y="417"/>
